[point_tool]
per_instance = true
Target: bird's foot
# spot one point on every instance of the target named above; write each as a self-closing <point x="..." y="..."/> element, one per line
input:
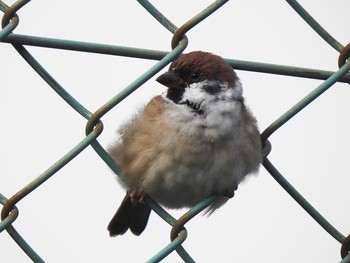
<point x="231" y="191"/>
<point x="137" y="197"/>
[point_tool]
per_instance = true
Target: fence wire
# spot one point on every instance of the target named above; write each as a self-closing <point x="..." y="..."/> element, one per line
<point x="94" y="126"/>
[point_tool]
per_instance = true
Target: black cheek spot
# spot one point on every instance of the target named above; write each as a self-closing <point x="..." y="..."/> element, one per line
<point x="175" y="94"/>
<point x="212" y="89"/>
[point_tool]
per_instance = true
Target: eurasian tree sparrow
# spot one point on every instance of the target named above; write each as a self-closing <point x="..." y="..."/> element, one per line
<point x="195" y="140"/>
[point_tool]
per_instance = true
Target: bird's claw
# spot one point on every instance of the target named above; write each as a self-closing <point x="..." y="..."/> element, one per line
<point x="231" y="191"/>
<point x="137" y="197"/>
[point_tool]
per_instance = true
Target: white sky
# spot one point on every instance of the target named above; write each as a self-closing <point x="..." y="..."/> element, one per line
<point x="65" y="219"/>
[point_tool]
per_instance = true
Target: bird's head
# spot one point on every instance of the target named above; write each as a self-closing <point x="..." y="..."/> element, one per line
<point x="199" y="78"/>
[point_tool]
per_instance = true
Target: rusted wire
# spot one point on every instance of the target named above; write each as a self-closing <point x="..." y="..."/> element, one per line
<point x="344" y="55"/>
<point x="345" y="248"/>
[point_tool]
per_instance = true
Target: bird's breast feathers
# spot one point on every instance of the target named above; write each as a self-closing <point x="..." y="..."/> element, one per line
<point x="174" y="148"/>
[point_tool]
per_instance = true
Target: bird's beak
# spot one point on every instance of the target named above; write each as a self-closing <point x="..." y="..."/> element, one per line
<point x="171" y="80"/>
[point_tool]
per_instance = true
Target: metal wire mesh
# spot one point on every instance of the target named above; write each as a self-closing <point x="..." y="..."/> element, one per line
<point x="94" y="126"/>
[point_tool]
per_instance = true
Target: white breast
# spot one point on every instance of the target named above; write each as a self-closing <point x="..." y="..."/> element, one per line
<point x="199" y="155"/>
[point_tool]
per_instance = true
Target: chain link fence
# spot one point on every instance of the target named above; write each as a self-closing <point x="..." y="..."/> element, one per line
<point x="94" y="126"/>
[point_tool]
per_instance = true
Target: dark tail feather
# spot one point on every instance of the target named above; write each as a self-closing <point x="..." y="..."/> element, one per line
<point x="121" y="220"/>
<point x="129" y="216"/>
<point x="139" y="218"/>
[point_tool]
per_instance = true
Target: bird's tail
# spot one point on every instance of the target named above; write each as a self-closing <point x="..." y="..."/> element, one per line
<point x="130" y="217"/>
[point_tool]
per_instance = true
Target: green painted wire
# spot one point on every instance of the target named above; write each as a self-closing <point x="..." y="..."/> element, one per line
<point x="315" y="25"/>
<point x="8" y="220"/>
<point x="8" y="27"/>
<point x="305" y="101"/>
<point x="94" y="126"/>
<point x="275" y="173"/>
<point x="10" y="204"/>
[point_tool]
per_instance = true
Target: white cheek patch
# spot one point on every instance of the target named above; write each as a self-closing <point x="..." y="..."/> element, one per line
<point x="220" y="111"/>
<point x="196" y="94"/>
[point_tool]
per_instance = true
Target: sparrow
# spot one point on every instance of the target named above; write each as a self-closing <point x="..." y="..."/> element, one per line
<point x="195" y="140"/>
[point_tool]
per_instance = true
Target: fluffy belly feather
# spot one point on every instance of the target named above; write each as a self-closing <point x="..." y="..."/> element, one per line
<point x="189" y="167"/>
<point x="183" y="157"/>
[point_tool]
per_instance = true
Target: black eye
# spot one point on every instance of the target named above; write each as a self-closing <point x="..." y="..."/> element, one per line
<point x="195" y="75"/>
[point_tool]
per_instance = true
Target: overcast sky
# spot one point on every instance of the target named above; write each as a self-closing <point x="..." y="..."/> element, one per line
<point x="65" y="219"/>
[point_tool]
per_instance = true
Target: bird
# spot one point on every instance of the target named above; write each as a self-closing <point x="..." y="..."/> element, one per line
<point x="196" y="139"/>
